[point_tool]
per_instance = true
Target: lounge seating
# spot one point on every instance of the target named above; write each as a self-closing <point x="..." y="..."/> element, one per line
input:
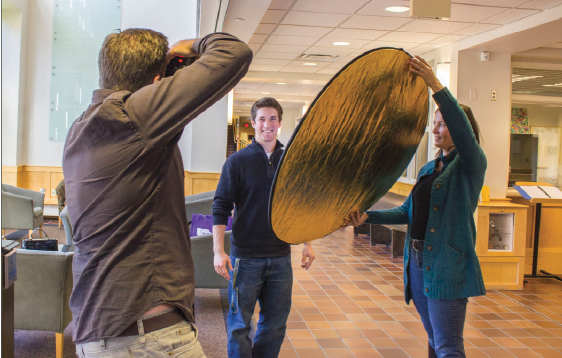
<point x="205" y="195"/>
<point x="42" y="292"/>
<point x="202" y="252"/>
<point x="63" y="216"/>
<point x="21" y="209"/>
<point x="389" y="235"/>
<point x="201" y="206"/>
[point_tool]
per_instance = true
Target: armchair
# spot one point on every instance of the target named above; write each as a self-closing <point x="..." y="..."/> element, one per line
<point x="21" y="209"/>
<point x="63" y="216"/>
<point x="205" y="195"/>
<point x="42" y="292"/>
<point x="203" y="256"/>
<point x="201" y="206"/>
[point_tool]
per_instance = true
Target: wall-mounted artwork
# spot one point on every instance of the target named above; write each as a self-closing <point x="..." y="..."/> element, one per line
<point x="79" y="29"/>
<point x="351" y="146"/>
<point x="520" y="121"/>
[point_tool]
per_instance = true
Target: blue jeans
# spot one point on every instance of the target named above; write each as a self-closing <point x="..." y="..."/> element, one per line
<point x="269" y="281"/>
<point x="443" y="320"/>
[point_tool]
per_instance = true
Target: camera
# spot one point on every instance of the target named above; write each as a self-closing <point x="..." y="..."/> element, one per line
<point x="177" y="63"/>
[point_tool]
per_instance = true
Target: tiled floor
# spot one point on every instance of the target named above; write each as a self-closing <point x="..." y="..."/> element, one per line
<point x="351" y="304"/>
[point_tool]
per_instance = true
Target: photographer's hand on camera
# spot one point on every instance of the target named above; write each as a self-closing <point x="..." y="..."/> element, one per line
<point x="182" y="48"/>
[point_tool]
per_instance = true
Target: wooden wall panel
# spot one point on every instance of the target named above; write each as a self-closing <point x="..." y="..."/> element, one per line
<point x="502" y="273"/>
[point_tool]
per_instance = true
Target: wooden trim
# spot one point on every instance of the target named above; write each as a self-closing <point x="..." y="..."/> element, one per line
<point x="59" y="337"/>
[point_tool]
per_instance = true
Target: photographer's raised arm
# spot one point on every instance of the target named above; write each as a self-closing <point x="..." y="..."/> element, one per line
<point x="160" y="111"/>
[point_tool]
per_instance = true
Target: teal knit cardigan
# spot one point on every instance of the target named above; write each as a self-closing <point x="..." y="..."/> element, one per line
<point x="452" y="269"/>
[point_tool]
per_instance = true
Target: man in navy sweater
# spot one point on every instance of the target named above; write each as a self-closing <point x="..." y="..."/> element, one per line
<point x="259" y="266"/>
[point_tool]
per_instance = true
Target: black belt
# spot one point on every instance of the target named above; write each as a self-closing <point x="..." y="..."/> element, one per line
<point x="417" y="244"/>
<point x="154" y="323"/>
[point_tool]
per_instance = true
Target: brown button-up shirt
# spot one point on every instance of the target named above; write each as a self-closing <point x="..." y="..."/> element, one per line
<point x="125" y="192"/>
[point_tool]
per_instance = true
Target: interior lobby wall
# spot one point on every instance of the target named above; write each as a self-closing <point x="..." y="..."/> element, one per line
<point x="493" y="116"/>
<point x="288" y="124"/>
<point x="14" y="16"/>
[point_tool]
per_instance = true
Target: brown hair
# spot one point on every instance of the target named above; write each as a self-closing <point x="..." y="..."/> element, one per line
<point x="473" y="124"/>
<point x="130" y="59"/>
<point x="266" y="102"/>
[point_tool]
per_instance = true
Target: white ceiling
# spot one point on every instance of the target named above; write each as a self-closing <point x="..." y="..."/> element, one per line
<point x="290" y="28"/>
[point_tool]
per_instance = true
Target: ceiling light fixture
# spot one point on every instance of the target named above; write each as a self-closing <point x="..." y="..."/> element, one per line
<point x="265" y="93"/>
<point x="280" y="83"/>
<point x="309" y="64"/>
<point x="342" y="43"/>
<point x="554" y="85"/>
<point x="397" y="8"/>
<point x="239" y="19"/>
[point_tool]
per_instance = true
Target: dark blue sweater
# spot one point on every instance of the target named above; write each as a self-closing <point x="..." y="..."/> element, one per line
<point x="245" y="182"/>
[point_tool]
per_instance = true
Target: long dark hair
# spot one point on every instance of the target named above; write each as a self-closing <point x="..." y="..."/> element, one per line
<point x="473" y="124"/>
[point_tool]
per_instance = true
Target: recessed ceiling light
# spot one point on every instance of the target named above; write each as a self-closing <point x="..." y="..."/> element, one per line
<point x="342" y="43"/>
<point x="554" y="85"/>
<point x="265" y="93"/>
<point x="280" y="83"/>
<point x="239" y="19"/>
<point x="309" y="64"/>
<point x="397" y="8"/>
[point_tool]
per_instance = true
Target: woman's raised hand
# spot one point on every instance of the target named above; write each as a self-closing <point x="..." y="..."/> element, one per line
<point x="356" y="219"/>
<point x="421" y="68"/>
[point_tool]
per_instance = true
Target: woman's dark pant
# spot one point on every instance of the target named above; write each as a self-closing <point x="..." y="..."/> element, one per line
<point x="443" y="320"/>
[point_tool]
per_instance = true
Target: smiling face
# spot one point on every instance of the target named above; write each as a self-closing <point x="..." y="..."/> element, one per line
<point x="441" y="134"/>
<point x="266" y="124"/>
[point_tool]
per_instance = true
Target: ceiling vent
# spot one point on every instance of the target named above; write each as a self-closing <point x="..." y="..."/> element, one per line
<point x="317" y="57"/>
<point x="430" y="9"/>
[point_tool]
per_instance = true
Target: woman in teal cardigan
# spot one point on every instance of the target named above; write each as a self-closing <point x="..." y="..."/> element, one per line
<point x="441" y="269"/>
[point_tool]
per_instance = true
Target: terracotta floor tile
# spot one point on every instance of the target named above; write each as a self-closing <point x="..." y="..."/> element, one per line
<point x="482" y="342"/>
<point x="497" y="352"/>
<point x="399" y="333"/>
<point x="548" y="352"/>
<point x="492" y="332"/>
<point x="303" y="310"/>
<point x="287" y="353"/>
<point x="533" y="342"/>
<point x="553" y="342"/>
<point x="331" y="343"/>
<point x="338" y="353"/>
<point x="392" y="353"/>
<point x="517" y="333"/>
<point x="480" y="324"/>
<point x="353" y="343"/>
<point x="343" y="325"/>
<point x="318" y="325"/>
<point x="305" y="343"/>
<point x="296" y="325"/>
<point x="367" y="325"/>
<point x="286" y="343"/>
<point x="408" y="343"/>
<point x="508" y="342"/>
<point x="383" y="343"/>
<point x="539" y="332"/>
<point x="366" y="353"/>
<point x="475" y="353"/>
<point x="324" y="333"/>
<point x="523" y="353"/>
<point x="310" y="353"/>
<point x="313" y="317"/>
<point x="416" y="352"/>
<point x="349" y="333"/>
<point x="299" y="333"/>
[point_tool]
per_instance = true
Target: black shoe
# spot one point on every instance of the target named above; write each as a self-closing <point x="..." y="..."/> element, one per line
<point x="431" y="352"/>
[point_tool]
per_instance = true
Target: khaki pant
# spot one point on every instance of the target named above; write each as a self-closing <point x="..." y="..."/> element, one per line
<point x="178" y="340"/>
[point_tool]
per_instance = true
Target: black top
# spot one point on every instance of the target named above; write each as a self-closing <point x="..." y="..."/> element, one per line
<point x="421" y="195"/>
<point x="245" y="184"/>
<point x="125" y="192"/>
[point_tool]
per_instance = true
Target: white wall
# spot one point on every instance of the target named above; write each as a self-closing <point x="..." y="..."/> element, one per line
<point x="175" y="18"/>
<point x="208" y="139"/>
<point x="14" y="48"/>
<point x="494" y="117"/>
<point x="288" y="124"/>
<point x="11" y="45"/>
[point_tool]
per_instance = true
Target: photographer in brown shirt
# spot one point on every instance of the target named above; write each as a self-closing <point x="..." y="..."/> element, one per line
<point x="133" y="271"/>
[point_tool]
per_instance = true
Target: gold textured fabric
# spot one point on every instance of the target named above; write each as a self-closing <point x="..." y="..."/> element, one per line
<point x="354" y="142"/>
